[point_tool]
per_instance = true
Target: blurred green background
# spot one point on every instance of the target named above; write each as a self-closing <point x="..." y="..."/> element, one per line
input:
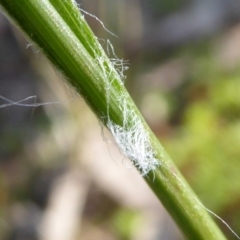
<point x="60" y="180"/>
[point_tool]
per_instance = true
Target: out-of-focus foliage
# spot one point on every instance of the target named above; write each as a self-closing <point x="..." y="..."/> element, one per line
<point x="205" y="142"/>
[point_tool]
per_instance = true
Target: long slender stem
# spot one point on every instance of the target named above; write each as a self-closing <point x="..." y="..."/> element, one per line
<point x="61" y="32"/>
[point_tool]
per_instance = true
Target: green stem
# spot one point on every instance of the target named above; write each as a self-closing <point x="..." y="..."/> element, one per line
<point x="61" y="32"/>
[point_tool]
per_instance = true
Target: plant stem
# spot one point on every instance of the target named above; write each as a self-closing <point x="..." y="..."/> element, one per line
<point x="61" y="32"/>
